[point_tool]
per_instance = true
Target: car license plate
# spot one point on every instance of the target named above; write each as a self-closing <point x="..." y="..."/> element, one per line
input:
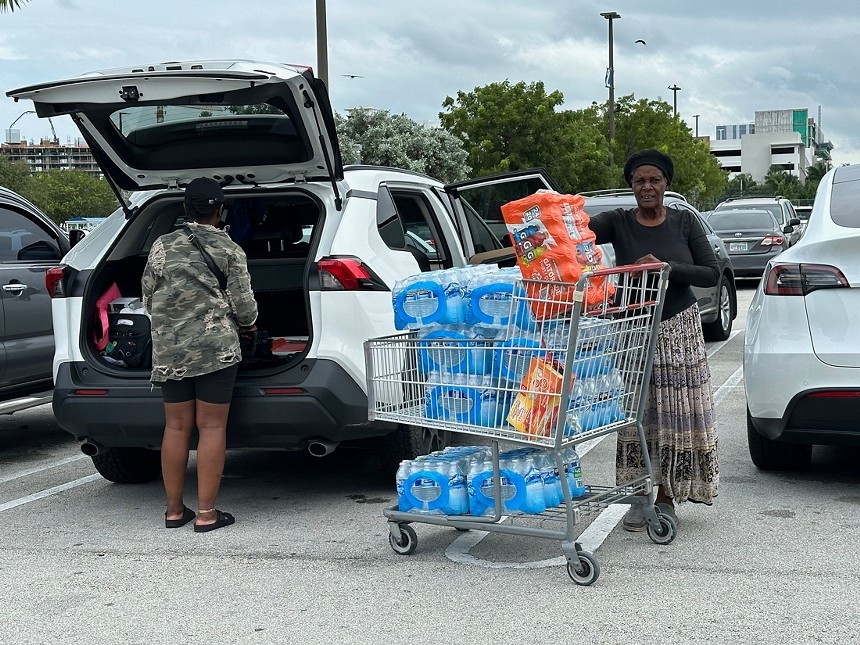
<point x="737" y="246"/>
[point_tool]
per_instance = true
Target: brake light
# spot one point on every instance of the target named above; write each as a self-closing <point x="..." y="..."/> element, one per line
<point x="836" y="394"/>
<point x="773" y="240"/>
<point x="344" y="274"/>
<point x="54" y="282"/>
<point x="802" y="279"/>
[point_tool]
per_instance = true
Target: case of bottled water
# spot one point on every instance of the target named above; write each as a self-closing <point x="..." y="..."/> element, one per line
<point x="435" y="484"/>
<point x="431" y="298"/>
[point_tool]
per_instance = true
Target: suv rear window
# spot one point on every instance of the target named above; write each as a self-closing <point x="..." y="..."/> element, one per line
<point x="155" y="136"/>
<point x="740" y="220"/>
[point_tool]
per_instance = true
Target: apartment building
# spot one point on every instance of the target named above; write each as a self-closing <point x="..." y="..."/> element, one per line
<point x="50" y="154"/>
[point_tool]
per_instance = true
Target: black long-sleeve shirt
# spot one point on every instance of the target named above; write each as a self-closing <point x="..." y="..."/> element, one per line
<point x="680" y="241"/>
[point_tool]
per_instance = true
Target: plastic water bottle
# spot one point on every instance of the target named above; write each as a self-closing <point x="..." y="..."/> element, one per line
<point x="477" y="498"/>
<point x="458" y="498"/>
<point x="574" y="473"/>
<point x="535" y="501"/>
<point x="552" y="493"/>
<point x="403" y="472"/>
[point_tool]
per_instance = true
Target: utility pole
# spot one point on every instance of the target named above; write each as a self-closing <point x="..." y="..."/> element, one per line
<point x="610" y="83"/>
<point x="675" y="89"/>
<point x="696" y="116"/>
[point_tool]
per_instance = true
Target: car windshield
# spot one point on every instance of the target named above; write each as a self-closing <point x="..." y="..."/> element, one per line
<point x="727" y="220"/>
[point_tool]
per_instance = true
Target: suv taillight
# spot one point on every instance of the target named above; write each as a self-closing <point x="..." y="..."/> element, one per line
<point x="802" y="279"/>
<point x="54" y="282"/>
<point x="347" y="274"/>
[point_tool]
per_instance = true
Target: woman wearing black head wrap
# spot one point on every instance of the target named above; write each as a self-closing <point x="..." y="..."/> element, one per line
<point x="679" y="419"/>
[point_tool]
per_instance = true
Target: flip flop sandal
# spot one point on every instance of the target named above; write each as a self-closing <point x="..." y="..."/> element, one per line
<point x="221" y="519"/>
<point x="187" y="516"/>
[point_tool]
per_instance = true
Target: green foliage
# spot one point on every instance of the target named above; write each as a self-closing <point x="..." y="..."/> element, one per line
<point x="377" y="137"/>
<point x="11" y="5"/>
<point x="63" y="194"/>
<point x="652" y="124"/>
<point x="14" y="175"/>
<point x="506" y="127"/>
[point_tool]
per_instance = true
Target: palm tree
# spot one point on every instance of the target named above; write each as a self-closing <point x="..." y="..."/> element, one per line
<point x="11" y="5"/>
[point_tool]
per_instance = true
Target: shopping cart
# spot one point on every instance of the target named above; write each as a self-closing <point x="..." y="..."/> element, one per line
<point x="573" y="364"/>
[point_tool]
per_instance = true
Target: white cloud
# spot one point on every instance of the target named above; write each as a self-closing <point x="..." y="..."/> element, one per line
<point x="730" y="58"/>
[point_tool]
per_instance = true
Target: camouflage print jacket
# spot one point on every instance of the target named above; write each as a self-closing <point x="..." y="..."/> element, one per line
<point x="194" y="326"/>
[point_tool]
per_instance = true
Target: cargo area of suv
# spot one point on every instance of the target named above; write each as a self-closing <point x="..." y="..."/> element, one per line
<point x="275" y="232"/>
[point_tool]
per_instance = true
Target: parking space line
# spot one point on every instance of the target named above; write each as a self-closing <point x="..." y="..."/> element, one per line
<point x="39" y="469"/>
<point x="725" y="389"/>
<point x="715" y="347"/>
<point x="49" y="491"/>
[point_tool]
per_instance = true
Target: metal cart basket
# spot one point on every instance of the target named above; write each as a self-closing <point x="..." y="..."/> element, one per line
<point x="573" y="363"/>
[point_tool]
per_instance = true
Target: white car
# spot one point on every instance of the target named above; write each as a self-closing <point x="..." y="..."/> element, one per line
<point x="802" y="344"/>
<point x="325" y="247"/>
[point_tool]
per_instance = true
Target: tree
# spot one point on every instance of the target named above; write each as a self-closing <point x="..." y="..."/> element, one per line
<point x="11" y="5"/>
<point x="741" y="184"/>
<point x="63" y="194"/>
<point x="506" y="127"/>
<point x="377" y="137"/>
<point x="652" y="124"/>
<point x="14" y="175"/>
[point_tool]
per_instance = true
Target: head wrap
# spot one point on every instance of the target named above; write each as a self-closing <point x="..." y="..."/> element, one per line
<point x="649" y="157"/>
<point x="203" y="196"/>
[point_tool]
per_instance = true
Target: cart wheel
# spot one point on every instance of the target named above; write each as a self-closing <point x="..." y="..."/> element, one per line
<point x="587" y="570"/>
<point x="667" y="531"/>
<point x="407" y="542"/>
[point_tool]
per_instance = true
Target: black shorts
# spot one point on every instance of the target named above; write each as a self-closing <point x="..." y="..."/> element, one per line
<point x="215" y="387"/>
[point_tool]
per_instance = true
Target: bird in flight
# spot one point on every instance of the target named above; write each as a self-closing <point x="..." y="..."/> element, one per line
<point x="353" y="75"/>
<point x="640" y="41"/>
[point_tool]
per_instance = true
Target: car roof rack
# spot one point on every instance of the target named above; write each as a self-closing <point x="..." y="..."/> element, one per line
<point x="611" y="192"/>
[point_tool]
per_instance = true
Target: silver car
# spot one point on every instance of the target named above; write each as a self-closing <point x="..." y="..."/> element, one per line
<point x="718" y="305"/>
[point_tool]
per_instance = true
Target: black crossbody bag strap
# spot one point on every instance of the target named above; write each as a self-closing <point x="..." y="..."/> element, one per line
<point x="216" y="271"/>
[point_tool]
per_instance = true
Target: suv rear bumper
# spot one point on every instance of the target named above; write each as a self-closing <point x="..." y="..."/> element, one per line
<point x="325" y="404"/>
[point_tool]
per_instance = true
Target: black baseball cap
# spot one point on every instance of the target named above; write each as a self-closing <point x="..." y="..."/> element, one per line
<point x="203" y="196"/>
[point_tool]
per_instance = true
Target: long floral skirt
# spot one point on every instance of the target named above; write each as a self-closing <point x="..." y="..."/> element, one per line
<point x="679" y="420"/>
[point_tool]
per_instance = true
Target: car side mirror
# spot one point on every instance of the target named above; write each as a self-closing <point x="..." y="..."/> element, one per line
<point x="76" y="235"/>
<point x="794" y="221"/>
<point x="41" y="251"/>
<point x="787" y="229"/>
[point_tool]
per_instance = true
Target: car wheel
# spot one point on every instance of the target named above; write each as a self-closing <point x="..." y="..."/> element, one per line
<point x="721" y="328"/>
<point x="128" y="465"/>
<point x="407" y="442"/>
<point x="767" y="454"/>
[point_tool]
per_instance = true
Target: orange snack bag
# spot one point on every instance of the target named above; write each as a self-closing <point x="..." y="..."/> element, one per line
<point x="554" y="244"/>
<point x="535" y="408"/>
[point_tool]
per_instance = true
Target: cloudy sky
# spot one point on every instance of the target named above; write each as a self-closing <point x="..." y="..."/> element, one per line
<point x="729" y="58"/>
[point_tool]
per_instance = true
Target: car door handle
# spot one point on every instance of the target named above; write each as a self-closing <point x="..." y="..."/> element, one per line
<point x="14" y="288"/>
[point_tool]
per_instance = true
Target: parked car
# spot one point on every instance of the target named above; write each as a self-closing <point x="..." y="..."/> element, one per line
<point x="802" y="343"/>
<point x="752" y="238"/>
<point x="718" y="305"/>
<point x="325" y="246"/>
<point x="781" y="208"/>
<point x="30" y="244"/>
<point x="803" y="215"/>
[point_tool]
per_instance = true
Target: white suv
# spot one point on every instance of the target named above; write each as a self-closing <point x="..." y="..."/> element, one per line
<point x="325" y="246"/>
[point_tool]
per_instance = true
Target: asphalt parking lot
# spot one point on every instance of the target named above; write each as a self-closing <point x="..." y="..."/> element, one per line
<point x="308" y="561"/>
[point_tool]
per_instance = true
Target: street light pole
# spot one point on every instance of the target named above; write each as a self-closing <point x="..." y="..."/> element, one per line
<point x="322" y="43"/>
<point x="696" y="116"/>
<point x="610" y="83"/>
<point x="675" y="89"/>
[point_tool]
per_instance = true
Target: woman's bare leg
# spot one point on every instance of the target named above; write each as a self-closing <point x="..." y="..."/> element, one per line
<point x="211" y="448"/>
<point x="178" y="424"/>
